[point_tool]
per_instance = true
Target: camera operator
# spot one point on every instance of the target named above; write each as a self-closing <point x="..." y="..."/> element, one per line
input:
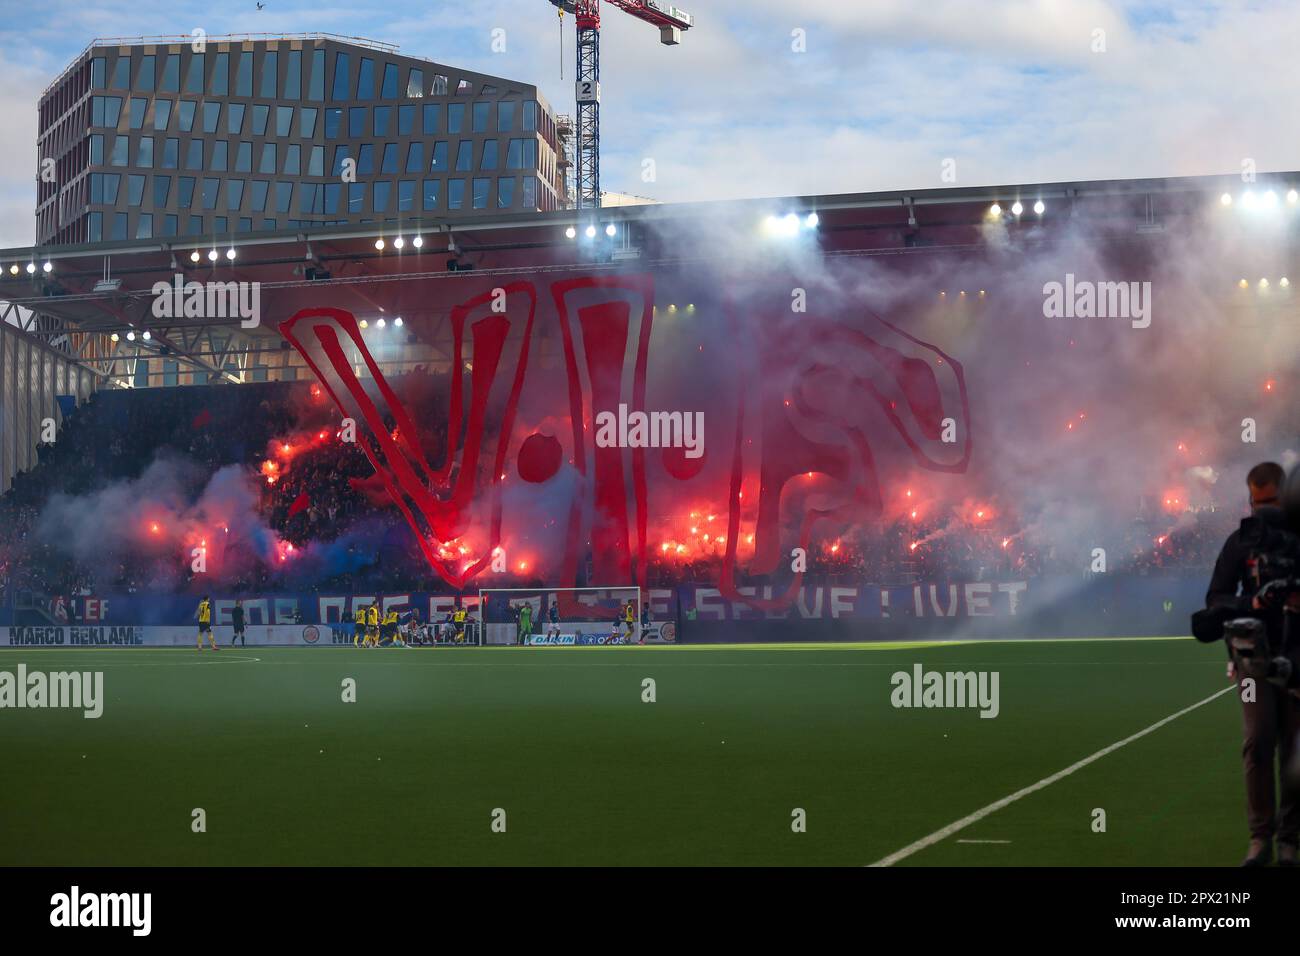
<point x="1271" y="713"/>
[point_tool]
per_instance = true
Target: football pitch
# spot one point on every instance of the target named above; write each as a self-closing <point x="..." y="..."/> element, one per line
<point x="586" y="771"/>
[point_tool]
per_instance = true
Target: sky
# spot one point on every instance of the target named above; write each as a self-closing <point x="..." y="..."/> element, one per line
<point x="777" y="98"/>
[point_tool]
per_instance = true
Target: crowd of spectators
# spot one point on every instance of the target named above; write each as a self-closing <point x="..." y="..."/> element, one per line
<point x="315" y="496"/>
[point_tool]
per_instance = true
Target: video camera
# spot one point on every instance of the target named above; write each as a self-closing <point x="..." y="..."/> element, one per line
<point x="1271" y="539"/>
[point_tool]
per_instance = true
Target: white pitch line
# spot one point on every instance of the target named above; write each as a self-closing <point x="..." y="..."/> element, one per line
<point x="983" y="841"/>
<point x="980" y="814"/>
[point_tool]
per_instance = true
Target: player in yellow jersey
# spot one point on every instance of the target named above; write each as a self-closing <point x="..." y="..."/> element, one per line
<point x="205" y="624"/>
<point x="458" y="624"/>
<point x="359" y="625"/>
<point x="629" y="619"/>
<point x="388" y="628"/>
<point x="372" y="625"/>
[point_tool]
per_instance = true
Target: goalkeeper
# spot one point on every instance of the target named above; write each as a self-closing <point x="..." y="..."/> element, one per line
<point x="525" y="623"/>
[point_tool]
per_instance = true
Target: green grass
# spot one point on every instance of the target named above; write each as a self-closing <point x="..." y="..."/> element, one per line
<point x="589" y="774"/>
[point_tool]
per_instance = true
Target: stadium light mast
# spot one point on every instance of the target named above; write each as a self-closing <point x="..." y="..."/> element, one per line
<point x="670" y="20"/>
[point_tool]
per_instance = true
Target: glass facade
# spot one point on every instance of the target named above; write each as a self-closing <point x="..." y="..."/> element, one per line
<point x="243" y="108"/>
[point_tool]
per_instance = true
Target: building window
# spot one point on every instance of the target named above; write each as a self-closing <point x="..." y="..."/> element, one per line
<point x="341" y="153"/>
<point x="431" y="194"/>
<point x="307" y="122"/>
<point x="211" y="116"/>
<point x="405" y="120"/>
<point x="234" y="194"/>
<point x="235" y="118"/>
<point x="356" y="121"/>
<point x="261" y="113"/>
<point x="456" y="118"/>
<point x="432" y="118"/>
<point x="97" y="187"/>
<point x="185" y="192"/>
<point x="144" y="226"/>
<point x="293" y="76"/>
<point x="455" y="194"/>
<point x="119" y="226"/>
<point x="505" y="192"/>
<point x="316" y="164"/>
<point x="293" y="160"/>
<point x="415" y="83"/>
<point x="333" y="119"/>
<point x="185" y="115"/>
<point x="382" y="116"/>
<point x="122" y="81"/>
<point x="171" y="78"/>
<point x="464" y="88"/>
<point x="465" y="156"/>
<point x="169" y="224"/>
<point x="244" y="158"/>
<point x="481" y="190"/>
<point x="332" y="193"/>
<point x="194" y="74"/>
<point x="141" y="377"/>
<point x="95" y="221"/>
<point x="283" y="196"/>
<point x="134" y="190"/>
<point x="267" y="162"/>
<point x="366" y="159"/>
<point x="145" y="78"/>
<point x="439" y="85"/>
<point x="340" y="90"/>
<point x="162" y="114"/>
<point x="316" y="88"/>
<point x="97" y="150"/>
<point x="144" y="156"/>
<point x="171" y="153"/>
<point x="221" y="75"/>
<point x="490" y="150"/>
<point x="97" y="72"/>
<point x="389" y="163"/>
<point x="439" y="164"/>
<point x="481" y="117"/>
<point x="210" y="187"/>
<point x="356" y="198"/>
<point x="270" y="67"/>
<point x="382" y="189"/>
<point x="258" y="195"/>
<point x="111" y="183"/>
<point x="283" y="120"/>
<point x="120" y="146"/>
<point x="530" y="192"/>
<point x="138" y="106"/>
<point x="244" y="76"/>
<point x="194" y="226"/>
<point x="366" y="79"/>
<point x="406" y="195"/>
<point x="219" y="150"/>
<point x="506" y="116"/>
<point x="161" y="187"/>
<point x="530" y="116"/>
<point x="194" y="154"/>
<point x="415" y="157"/>
<point x="389" y="92"/>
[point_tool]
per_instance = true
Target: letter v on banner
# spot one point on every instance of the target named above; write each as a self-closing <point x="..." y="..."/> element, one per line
<point x="599" y="317"/>
<point x="435" y="511"/>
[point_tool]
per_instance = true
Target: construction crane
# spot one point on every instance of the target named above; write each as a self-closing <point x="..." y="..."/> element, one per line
<point x="670" y="20"/>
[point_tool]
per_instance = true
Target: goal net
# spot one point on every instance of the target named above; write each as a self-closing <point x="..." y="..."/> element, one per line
<point x="572" y="617"/>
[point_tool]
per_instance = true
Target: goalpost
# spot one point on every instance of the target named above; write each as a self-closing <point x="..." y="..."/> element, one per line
<point x="572" y="617"/>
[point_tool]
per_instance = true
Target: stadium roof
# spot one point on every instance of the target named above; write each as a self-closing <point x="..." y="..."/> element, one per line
<point x="862" y="224"/>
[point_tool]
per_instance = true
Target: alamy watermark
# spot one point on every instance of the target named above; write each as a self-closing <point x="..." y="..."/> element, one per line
<point x="1084" y="299"/>
<point x="74" y="909"/>
<point x="208" y="300"/>
<point x="949" y="689"/>
<point x="75" y="690"/>
<point x="651" y="430"/>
